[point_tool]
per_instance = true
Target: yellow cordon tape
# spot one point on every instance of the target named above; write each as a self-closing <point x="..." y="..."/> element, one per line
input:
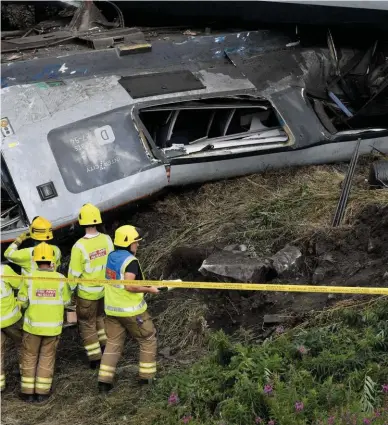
<point x="219" y="285"/>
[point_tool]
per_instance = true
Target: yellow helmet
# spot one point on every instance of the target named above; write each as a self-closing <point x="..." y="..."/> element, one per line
<point x="41" y="229"/>
<point x="126" y="235"/>
<point x="89" y="215"/>
<point x="43" y="252"/>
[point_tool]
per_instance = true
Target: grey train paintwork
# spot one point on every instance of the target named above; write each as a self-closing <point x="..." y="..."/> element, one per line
<point x="56" y="139"/>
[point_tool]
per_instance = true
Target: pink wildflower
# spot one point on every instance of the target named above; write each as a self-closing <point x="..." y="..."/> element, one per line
<point x="187" y="419"/>
<point x="258" y="420"/>
<point x="271" y="422"/>
<point x="302" y="349"/>
<point x="268" y="389"/>
<point x="331" y="420"/>
<point x="385" y="388"/>
<point x="299" y="406"/>
<point x="279" y="330"/>
<point x="173" y="399"/>
<point x="366" y="421"/>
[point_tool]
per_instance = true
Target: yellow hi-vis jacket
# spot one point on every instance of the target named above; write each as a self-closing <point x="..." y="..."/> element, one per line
<point x="24" y="258"/>
<point x="118" y="301"/>
<point x="9" y="308"/>
<point x="45" y="302"/>
<point x="88" y="261"/>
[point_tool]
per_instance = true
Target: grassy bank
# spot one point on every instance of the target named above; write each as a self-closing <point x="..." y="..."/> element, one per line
<point x="261" y="211"/>
<point x="332" y="370"/>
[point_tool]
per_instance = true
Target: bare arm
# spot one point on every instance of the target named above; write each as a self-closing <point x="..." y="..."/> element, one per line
<point x="136" y="289"/>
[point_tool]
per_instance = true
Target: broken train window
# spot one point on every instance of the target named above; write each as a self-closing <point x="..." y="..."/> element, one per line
<point x="12" y="213"/>
<point x="213" y="124"/>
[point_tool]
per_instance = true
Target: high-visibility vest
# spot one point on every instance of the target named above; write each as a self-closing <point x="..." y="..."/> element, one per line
<point x="45" y="302"/>
<point x="118" y="301"/>
<point x="24" y="258"/>
<point x="88" y="261"/>
<point x="9" y="308"/>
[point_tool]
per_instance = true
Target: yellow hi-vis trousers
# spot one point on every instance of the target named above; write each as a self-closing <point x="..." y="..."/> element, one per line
<point x="15" y="333"/>
<point x="139" y="327"/>
<point x="37" y="363"/>
<point x="91" y="326"/>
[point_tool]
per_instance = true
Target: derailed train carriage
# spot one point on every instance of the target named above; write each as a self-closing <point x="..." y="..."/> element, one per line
<point x="111" y="139"/>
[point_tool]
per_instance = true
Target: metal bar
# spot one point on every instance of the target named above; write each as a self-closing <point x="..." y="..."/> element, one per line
<point x="8" y="210"/>
<point x="171" y="126"/>
<point x="228" y="121"/>
<point x="341" y="206"/>
<point x="201" y="106"/>
<point x="343" y="108"/>
<point x="10" y="222"/>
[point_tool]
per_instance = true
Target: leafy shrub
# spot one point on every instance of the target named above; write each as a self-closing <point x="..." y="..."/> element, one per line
<point x="309" y="376"/>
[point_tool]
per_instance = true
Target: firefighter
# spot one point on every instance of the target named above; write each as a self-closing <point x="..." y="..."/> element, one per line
<point x="88" y="261"/>
<point x="11" y="316"/>
<point x="40" y="230"/>
<point x="42" y="327"/>
<point x="126" y="311"/>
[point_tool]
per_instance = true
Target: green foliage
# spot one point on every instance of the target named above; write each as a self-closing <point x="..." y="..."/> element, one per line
<point x="327" y="373"/>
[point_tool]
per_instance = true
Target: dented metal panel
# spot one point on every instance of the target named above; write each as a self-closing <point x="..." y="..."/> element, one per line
<point x="96" y="97"/>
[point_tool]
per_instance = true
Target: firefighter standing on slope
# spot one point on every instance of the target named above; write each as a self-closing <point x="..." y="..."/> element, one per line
<point x="126" y="311"/>
<point x="88" y="261"/>
<point x="43" y="321"/>
<point x="40" y="230"/>
<point x="11" y="316"/>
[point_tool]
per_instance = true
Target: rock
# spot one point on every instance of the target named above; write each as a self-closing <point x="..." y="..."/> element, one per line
<point x="236" y="248"/>
<point x="319" y="274"/>
<point x="385" y="276"/>
<point x="236" y="266"/>
<point x="189" y="32"/>
<point x="274" y="318"/>
<point x="287" y="259"/>
<point x="373" y="245"/>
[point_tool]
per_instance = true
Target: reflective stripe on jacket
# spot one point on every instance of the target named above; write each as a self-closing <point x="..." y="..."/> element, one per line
<point x="88" y="261"/>
<point x="9" y="309"/>
<point x="45" y="303"/>
<point x="24" y="258"/>
<point x="119" y="301"/>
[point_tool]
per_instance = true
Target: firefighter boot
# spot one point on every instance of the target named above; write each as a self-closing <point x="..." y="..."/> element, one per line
<point x="29" y="398"/>
<point x="104" y="388"/>
<point x="145" y="381"/>
<point x="41" y="398"/>
<point x="94" y="364"/>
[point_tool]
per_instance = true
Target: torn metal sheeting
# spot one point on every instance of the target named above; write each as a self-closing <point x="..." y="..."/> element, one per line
<point x="35" y="41"/>
<point x="108" y="39"/>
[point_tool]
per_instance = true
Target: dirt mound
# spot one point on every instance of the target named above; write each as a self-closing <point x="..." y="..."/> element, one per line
<point x="351" y="256"/>
<point x="356" y="257"/>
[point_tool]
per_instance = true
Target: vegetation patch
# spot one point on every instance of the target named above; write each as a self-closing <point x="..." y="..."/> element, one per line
<point x="332" y="370"/>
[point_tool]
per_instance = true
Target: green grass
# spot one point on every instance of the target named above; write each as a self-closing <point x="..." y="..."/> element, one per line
<point x="336" y="366"/>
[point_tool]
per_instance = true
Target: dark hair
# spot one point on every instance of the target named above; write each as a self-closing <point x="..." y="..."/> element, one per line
<point x="128" y="248"/>
<point x="44" y="263"/>
<point x="99" y="227"/>
<point x="121" y="247"/>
